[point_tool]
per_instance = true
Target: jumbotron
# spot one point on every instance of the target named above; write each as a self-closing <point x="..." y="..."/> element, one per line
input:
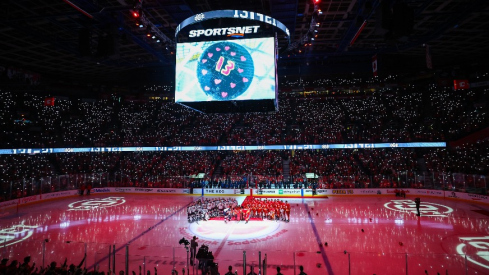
<point x="223" y="31"/>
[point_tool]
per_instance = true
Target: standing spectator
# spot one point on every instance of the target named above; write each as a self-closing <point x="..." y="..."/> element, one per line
<point x="193" y="248"/>
<point x="51" y="270"/>
<point x="252" y="272"/>
<point x="301" y="268"/>
<point x="82" y="189"/>
<point x="230" y="272"/>
<point x="89" y="188"/>
<point x="278" y="271"/>
<point x="12" y="268"/>
<point x="26" y="267"/>
<point x="3" y="266"/>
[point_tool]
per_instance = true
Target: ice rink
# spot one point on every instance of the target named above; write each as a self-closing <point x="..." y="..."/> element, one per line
<point x="364" y="235"/>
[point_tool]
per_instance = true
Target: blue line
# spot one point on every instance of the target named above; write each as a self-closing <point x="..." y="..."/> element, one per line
<point x="140" y="235"/>
<point x="318" y="239"/>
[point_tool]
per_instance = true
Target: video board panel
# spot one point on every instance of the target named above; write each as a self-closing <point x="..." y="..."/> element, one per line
<point x="226" y="70"/>
<point x="35" y="151"/>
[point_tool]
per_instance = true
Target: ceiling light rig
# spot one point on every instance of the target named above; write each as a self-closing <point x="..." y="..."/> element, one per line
<point x="152" y="31"/>
<point x="137" y="9"/>
<point x="312" y="32"/>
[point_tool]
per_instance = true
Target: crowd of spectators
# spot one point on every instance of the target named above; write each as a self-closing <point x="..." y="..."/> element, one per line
<point x="471" y="158"/>
<point x="401" y="114"/>
<point x="388" y="115"/>
<point x="257" y="163"/>
<point x="388" y="167"/>
<point x="15" y="267"/>
<point x="24" y="175"/>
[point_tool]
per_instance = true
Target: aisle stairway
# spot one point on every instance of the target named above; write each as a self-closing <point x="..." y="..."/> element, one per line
<point x="218" y="170"/>
<point x="428" y="177"/>
<point x="421" y="163"/>
<point x="360" y="165"/>
<point x="286" y="171"/>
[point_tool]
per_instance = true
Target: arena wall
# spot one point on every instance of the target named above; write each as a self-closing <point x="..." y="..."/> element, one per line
<point x="265" y="193"/>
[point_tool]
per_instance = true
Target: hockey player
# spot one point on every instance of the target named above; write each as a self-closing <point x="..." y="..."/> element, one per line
<point x="287" y="211"/>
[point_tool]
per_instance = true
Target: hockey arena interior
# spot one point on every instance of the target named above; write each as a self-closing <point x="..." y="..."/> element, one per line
<point x="286" y="137"/>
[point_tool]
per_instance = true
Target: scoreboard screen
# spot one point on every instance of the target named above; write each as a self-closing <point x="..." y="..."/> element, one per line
<point x="225" y="70"/>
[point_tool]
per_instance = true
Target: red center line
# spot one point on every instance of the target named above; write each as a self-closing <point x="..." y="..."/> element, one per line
<point x="224" y="240"/>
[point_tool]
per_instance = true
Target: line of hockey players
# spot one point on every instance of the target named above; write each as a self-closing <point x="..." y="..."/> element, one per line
<point x="256" y="208"/>
<point x="204" y="209"/>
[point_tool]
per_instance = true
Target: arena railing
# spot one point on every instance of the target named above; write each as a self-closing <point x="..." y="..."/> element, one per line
<point x="398" y="179"/>
<point x="142" y="258"/>
<point x="318" y="259"/>
<point x="459" y="182"/>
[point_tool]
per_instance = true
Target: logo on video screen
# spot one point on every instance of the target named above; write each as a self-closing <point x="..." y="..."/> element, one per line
<point x="225" y="70"/>
<point x="425" y="209"/>
<point x="96" y="203"/>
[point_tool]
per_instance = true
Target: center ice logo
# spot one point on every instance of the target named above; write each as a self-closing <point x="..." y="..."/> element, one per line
<point x="476" y="249"/>
<point x="96" y="203"/>
<point x="426" y="208"/>
<point x="15" y="234"/>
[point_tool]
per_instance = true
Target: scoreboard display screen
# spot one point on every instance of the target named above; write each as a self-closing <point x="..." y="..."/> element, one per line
<point x="225" y="70"/>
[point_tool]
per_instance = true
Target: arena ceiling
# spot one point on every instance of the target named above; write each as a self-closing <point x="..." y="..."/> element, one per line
<point x="44" y="35"/>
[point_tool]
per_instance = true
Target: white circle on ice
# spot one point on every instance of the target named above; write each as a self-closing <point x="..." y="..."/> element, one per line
<point x="218" y="230"/>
